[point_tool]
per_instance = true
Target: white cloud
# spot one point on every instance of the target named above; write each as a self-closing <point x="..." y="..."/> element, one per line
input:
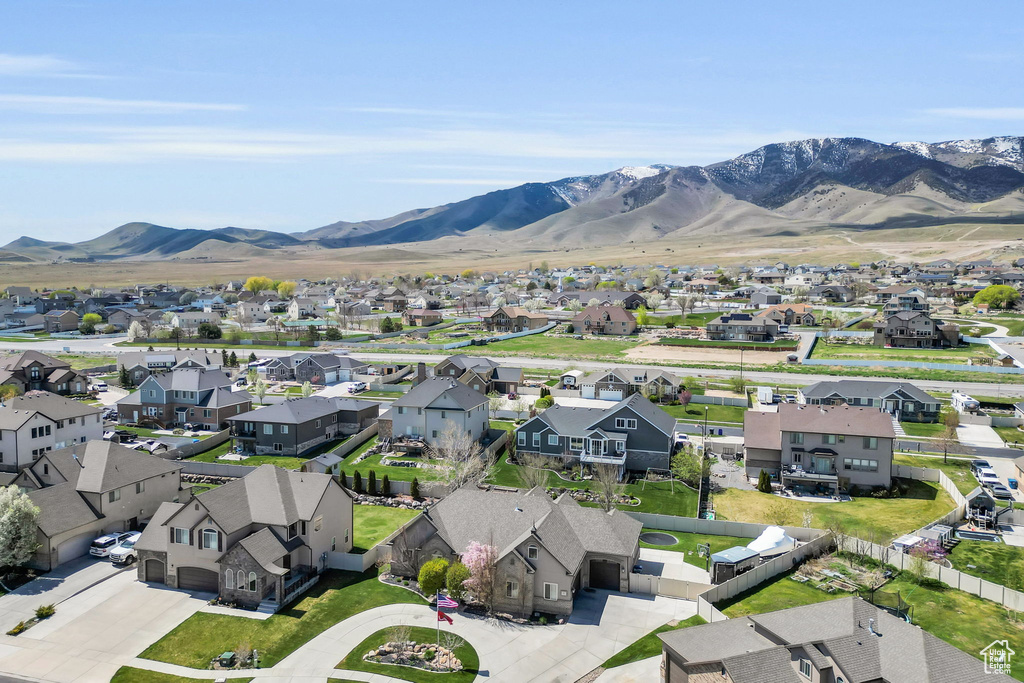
<point x="57" y="104"/>
<point x="40" y="65"/>
<point x="983" y="113"/>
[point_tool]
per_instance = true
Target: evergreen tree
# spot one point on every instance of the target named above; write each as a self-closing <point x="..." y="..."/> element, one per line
<point x="357" y="482"/>
<point x="414" y="490"/>
<point x="233" y="360"/>
<point x="385" y="486"/>
<point x="124" y="378"/>
<point x="224" y="358"/>
<point x="342" y="480"/>
<point x="371" y="483"/>
<point x="252" y="357"/>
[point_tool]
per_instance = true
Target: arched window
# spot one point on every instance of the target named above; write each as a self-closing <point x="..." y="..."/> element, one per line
<point x="252" y="581"/>
<point x="229" y="579"/>
<point x="241" y="580"/>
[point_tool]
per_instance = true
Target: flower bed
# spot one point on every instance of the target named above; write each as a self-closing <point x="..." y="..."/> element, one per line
<point x="417" y="655"/>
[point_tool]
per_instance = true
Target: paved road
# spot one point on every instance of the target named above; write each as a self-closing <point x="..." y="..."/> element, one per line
<point x="106" y="346"/>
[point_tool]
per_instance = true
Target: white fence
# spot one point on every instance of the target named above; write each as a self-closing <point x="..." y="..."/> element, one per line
<point x="648" y="584"/>
<point x="353" y="562"/>
<point x="215" y="469"/>
<point x="717" y="527"/>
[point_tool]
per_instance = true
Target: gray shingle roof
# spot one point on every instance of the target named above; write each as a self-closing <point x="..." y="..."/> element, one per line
<point x="101" y="466"/>
<point x="865" y="389"/>
<point x="764" y="429"/>
<point x="301" y="410"/>
<point x="154" y="537"/>
<point x="266" y="548"/>
<point x="61" y="508"/>
<point x="427" y="392"/>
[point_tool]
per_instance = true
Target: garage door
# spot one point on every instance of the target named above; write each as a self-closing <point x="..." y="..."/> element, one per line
<point x="154" y="571"/>
<point x="604" y="575"/>
<point x="196" y="579"/>
<point x="587" y="391"/>
<point x="609" y="395"/>
<point x="74" y="547"/>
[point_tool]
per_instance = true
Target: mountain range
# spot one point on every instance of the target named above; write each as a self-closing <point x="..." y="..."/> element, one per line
<point x="785" y="189"/>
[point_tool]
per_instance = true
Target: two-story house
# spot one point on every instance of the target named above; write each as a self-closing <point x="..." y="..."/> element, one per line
<point x="34" y="371"/>
<point x="915" y="330"/>
<point x="197" y="396"/>
<point x="548" y="550"/>
<point x="191" y="320"/>
<point x="633" y="434"/>
<point x="506" y="319"/>
<point x="94" y="488"/>
<point x="604" y="320"/>
<point x="142" y="364"/>
<point x="60" y="321"/>
<point x="788" y="314"/>
<point x="426" y="411"/>
<point x="301" y="307"/>
<point x="742" y="327"/>
<point x="315" y="368"/>
<point x="481" y="374"/>
<point x="40" y="422"/>
<point x="257" y="541"/>
<point x="298" y="425"/>
<point x="902" y="400"/>
<point x="820" y="449"/>
<point x="618" y="383"/>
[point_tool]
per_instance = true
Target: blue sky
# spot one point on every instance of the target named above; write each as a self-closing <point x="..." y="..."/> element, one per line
<point x="289" y="116"/>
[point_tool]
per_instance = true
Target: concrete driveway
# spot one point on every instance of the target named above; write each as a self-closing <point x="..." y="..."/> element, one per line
<point x="980" y="436"/>
<point x="96" y="631"/>
<point x="670" y="565"/>
<point x="53" y="588"/>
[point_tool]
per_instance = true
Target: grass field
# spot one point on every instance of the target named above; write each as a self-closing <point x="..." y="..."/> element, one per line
<point x="466" y="654"/>
<point x="881" y="519"/>
<point x="996" y="562"/>
<point x="373" y="463"/>
<point x="1010" y="435"/>
<point x="127" y="674"/>
<point x="285" y="461"/>
<point x="371" y="524"/>
<point x="338" y="596"/>
<point x="958" y="470"/>
<point x="82" y="361"/>
<point x="716" y="413"/>
<point x="689" y="320"/>
<point x="688" y="544"/>
<point x="649" y="645"/>
<point x="932" y="429"/>
<point x="837" y="350"/>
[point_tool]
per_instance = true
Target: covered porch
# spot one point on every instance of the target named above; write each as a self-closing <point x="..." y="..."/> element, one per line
<point x="814" y="475"/>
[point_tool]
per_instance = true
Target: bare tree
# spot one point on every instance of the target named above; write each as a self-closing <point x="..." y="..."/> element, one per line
<point x="460" y="454"/>
<point x="607" y="485"/>
<point x="494" y="403"/>
<point x="532" y="472"/>
<point x="519" y="406"/>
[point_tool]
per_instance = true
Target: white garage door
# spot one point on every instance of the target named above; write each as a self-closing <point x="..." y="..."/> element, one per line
<point x="74" y="547"/>
<point x="609" y="395"/>
<point x="587" y="391"/>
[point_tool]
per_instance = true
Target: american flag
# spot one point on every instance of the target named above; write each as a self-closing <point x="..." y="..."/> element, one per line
<point x="446" y="602"/>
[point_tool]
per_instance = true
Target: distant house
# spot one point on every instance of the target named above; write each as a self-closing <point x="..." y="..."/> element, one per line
<point x="481" y="374"/>
<point x="765" y="297"/>
<point x="618" y="383"/>
<point x="89" y="489"/>
<point x="901" y="399"/>
<point x="301" y="307"/>
<point x="789" y="314"/>
<point x="607" y="297"/>
<point x="820" y="448"/>
<point x="421" y="317"/>
<point x="34" y="371"/>
<point x="60" y="321"/>
<point x="315" y="368"/>
<point x="742" y="327"/>
<point x="605" y="320"/>
<point x="915" y="330"/>
<point x="190" y="320"/>
<point x="548" y="550"/>
<point x="299" y="425"/>
<point x="396" y="303"/>
<point x="506" y="319"/>
<point x="39" y="422"/>
<point x="830" y="293"/>
<point x="433" y="406"/>
<point x="196" y="396"/>
<point x="633" y="434"/>
<point x="142" y="364"/>
<point x="122" y="318"/>
<point x="258" y="541"/>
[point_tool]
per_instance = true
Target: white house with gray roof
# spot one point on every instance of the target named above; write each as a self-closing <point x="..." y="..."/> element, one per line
<point x="298" y="425"/>
<point x="39" y="422"/>
<point x="429" y="408"/>
<point x="548" y="550"/>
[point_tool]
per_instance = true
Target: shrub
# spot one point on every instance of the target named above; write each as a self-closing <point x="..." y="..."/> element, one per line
<point x="332" y="334"/>
<point x="455" y="578"/>
<point x="45" y="611"/>
<point x="342" y="479"/>
<point x="357" y="482"/>
<point x="433" y="575"/>
<point x="18" y="629"/>
<point x="544" y="402"/>
<point x="669" y="325"/>
<point x="414" y="488"/>
<point x="569" y="329"/>
<point x="428" y="655"/>
<point x="209" y="331"/>
<point x="385" y="486"/>
<point x="543" y="621"/>
<point x="371" y="483"/>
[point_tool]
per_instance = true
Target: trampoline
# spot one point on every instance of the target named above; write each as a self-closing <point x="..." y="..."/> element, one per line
<point x="658" y="538"/>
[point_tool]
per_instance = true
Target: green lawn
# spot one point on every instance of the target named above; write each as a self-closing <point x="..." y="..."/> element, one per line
<point x="127" y="674"/>
<point x="466" y="654"/>
<point x="1010" y="435"/>
<point x="338" y="596"/>
<point x="958" y="470"/>
<point x="688" y="544"/>
<point x="962" y="620"/>
<point x="716" y="413"/>
<point x="563" y="346"/>
<point x="373" y="463"/>
<point x="373" y="523"/>
<point x="83" y="361"/>
<point x="881" y="519"/>
<point x="689" y="320"/>
<point x="934" y="429"/>
<point x="657" y="497"/>
<point x="649" y="645"/>
<point x="847" y="351"/>
<point x="284" y="461"/>
<point x="996" y="562"/>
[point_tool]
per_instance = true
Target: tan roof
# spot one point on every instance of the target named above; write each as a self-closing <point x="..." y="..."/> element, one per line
<point x="764" y="430"/>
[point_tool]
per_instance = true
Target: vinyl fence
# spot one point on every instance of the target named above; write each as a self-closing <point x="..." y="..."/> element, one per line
<point x="216" y="469"/>
<point x="190" y="449"/>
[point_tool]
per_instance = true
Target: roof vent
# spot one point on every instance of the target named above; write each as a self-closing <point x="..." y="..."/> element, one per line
<point x="871" y="627"/>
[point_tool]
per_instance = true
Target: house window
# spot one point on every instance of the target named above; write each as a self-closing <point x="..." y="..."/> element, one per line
<point x="140" y="486"/>
<point x="114" y="495"/>
<point x="532" y="552"/>
<point x="552" y="439"/>
<point x="798" y="457"/>
<point x="252" y="582"/>
<point x="229" y="580"/>
<point x="833" y="439"/>
<point x="861" y="464"/>
<point x="284" y="429"/>
<point x="240" y="583"/>
<point x="625" y="423"/>
<point x="210" y="539"/>
<point x="181" y="536"/>
<point x="870" y="443"/>
<point x="334" y="543"/>
<point x="346" y="536"/>
<point x="292" y="530"/>
<point x="318" y="424"/>
<point x="805" y="668"/>
<point x="796" y="437"/>
<point x="511" y="589"/>
<point x="536" y="440"/>
<point x="442" y="415"/>
<point x="521" y="438"/>
<point x="207" y="412"/>
<point x="318" y="523"/>
<point x="620" y="446"/>
<point x="268" y="429"/>
<point x="550" y="591"/>
<point x="575" y="444"/>
<point x="278" y="447"/>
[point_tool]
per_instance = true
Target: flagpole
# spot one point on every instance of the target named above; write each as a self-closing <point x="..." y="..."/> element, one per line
<point x="437" y="617"/>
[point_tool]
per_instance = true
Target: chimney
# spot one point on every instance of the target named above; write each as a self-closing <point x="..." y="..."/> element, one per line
<point x="421" y="373"/>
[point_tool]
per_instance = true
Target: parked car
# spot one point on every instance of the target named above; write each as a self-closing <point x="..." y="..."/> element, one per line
<point x="241" y="382"/>
<point x="980" y="465"/>
<point x="681" y="438"/>
<point x="99" y="386"/>
<point x="102" y="546"/>
<point x="124" y="552"/>
<point x="1001" y="492"/>
<point x="512" y="396"/>
<point x="356" y="387"/>
<point x="988" y="478"/>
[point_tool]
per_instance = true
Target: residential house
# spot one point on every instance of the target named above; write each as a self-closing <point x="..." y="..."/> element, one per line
<point x="607" y="297"/>
<point x="39" y="422"/>
<point x="846" y="640"/>
<point x="252" y="311"/>
<point x="315" y="368"/>
<point x="506" y="319"/>
<point x="257" y="541"/>
<point x="60" y="321"/>
<point x="548" y="550"/>
<point x="200" y="397"/>
<point x="425" y="412"/>
<point x="298" y="425"/>
<point x="915" y="330"/>
<point x="633" y="434"/>
<point x="21" y="296"/>
<point x="424" y="300"/>
<point x="765" y="297"/>
<point x="90" y="489"/>
<point x="191" y="320"/>
<point x="902" y="400"/>
<point x="905" y="302"/>
<point x="742" y="327"/>
<point x="301" y="307"/>
<point x="34" y="371"/>
<point x="142" y="364"/>
<point x="481" y="374"/>
<point x="614" y="320"/>
<point x="883" y="295"/>
<point x="618" y="383"/>
<point x="395" y="303"/>
<point x="789" y="314"/>
<point x="820" y="448"/>
<point x="421" y="317"/>
<point x="122" y="318"/>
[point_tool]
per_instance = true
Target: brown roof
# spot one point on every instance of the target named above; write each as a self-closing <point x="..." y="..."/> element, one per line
<point x="614" y="313"/>
<point x="764" y="430"/>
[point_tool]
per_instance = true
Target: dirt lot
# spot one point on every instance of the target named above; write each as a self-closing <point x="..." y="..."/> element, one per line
<point x="689" y="354"/>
